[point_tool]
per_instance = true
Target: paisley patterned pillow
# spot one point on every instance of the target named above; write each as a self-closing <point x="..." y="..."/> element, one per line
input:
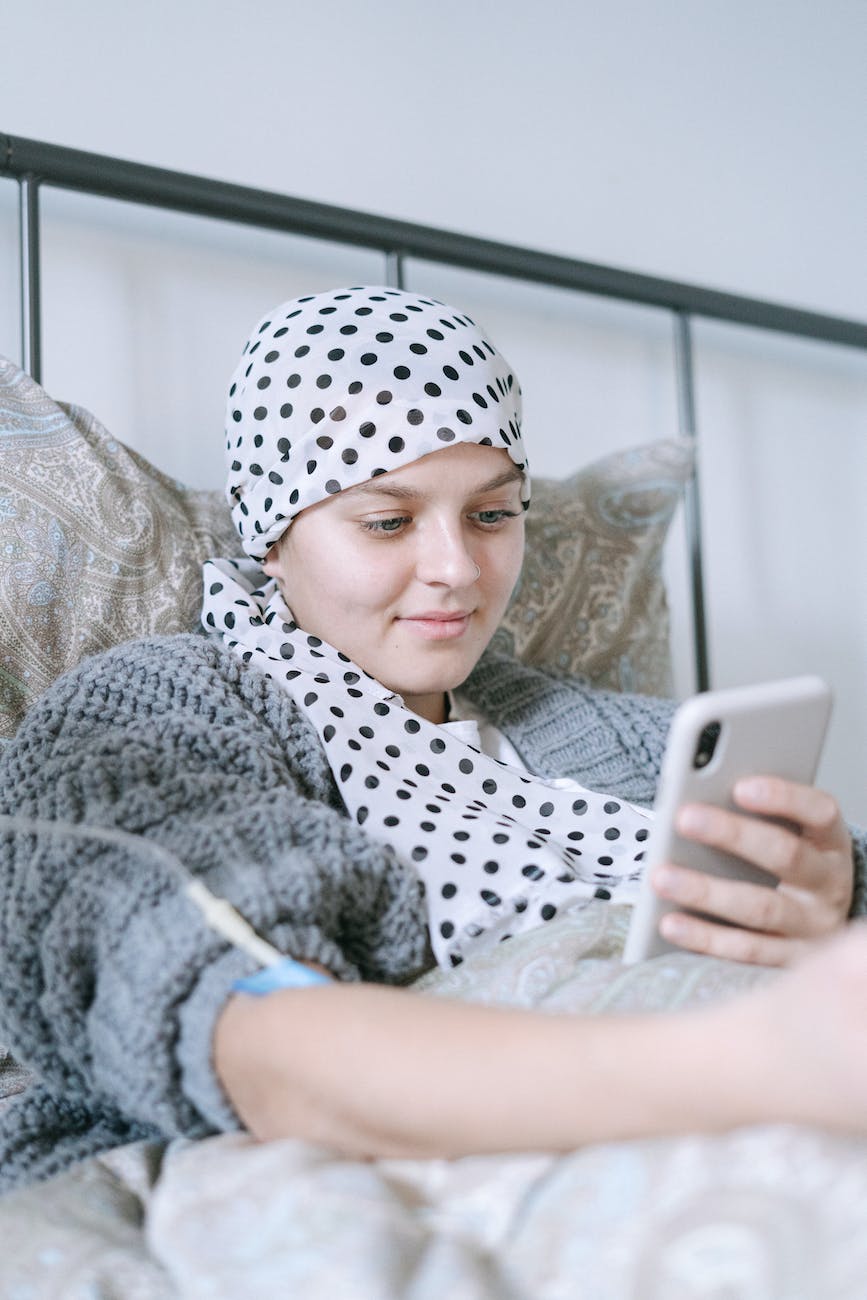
<point x="97" y="546"/>
<point x="591" y="598"/>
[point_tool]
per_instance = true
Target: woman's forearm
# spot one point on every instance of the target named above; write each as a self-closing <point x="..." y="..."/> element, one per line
<point x="382" y="1072"/>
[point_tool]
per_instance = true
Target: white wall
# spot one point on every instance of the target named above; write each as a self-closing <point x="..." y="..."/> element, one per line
<point x="709" y="141"/>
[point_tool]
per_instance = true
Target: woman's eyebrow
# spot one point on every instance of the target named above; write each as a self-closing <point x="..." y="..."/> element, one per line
<point x="511" y="475"/>
<point x="406" y="492"/>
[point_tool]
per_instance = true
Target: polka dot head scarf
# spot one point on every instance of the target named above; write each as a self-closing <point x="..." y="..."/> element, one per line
<point x="335" y="388"/>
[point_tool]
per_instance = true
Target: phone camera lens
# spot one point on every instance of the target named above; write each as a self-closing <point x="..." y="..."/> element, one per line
<point x="706" y="747"/>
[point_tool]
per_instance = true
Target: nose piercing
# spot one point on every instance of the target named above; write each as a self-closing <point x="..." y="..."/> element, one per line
<point x="478" y="573"/>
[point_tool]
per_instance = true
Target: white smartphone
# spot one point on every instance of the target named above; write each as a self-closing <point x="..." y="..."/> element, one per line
<point x="775" y="728"/>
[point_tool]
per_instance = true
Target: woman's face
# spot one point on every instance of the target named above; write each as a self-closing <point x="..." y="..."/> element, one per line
<point x="410" y="573"/>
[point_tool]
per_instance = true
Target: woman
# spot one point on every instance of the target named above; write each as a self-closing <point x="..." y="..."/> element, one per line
<point x="372" y="789"/>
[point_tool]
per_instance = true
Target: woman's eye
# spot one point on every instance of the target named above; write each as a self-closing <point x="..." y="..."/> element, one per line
<point x="384" y="526"/>
<point x="489" y="517"/>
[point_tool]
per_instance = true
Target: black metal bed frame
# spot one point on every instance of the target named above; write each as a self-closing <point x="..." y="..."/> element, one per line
<point x="33" y="164"/>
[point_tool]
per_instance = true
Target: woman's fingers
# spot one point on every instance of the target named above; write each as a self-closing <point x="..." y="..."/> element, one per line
<point x="730" y="942"/>
<point x="816" y="811"/>
<point x="800" y="859"/>
<point x="737" y="902"/>
<point x="810" y="856"/>
<point x="784" y="912"/>
<point x="763" y="844"/>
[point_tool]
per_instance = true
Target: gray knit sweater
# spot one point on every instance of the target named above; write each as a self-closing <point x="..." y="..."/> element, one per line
<point x="110" y="983"/>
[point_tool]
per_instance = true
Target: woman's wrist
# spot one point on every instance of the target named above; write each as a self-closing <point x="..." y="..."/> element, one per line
<point x="285" y="974"/>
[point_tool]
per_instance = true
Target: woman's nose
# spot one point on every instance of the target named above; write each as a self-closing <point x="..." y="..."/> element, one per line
<point x="444" y="557"/>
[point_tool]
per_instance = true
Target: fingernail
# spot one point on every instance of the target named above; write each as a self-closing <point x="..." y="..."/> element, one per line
<point x="751" y="789"/>
<point x="663" y="878"/>
<point x="691" y="818"/>
<point x="672" y="926"/>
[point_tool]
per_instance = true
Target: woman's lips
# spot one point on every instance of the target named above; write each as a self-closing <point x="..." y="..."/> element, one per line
<point x="436" y="626"/>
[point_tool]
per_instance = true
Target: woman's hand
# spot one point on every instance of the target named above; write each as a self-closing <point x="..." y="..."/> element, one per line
<point x="767" y="926"/>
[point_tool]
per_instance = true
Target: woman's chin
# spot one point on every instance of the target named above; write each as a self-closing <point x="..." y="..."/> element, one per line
<point x="448" y="675"/>
<point x="421" y="661"/>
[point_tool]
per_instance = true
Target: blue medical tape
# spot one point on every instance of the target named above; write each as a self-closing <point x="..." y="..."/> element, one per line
<point x="287" y="974"/>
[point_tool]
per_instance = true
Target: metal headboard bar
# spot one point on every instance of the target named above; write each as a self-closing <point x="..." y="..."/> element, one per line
<point x="119" y="179"/>
<point x="33" y="163"/>
<point x="691" y="499"/>
<point x="31" y="320"/>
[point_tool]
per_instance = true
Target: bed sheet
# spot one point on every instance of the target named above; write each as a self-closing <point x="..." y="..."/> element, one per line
<point x="758" y="1213"/>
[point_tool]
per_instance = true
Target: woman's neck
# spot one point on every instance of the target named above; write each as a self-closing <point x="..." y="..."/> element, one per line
<point x="433" y="707"/>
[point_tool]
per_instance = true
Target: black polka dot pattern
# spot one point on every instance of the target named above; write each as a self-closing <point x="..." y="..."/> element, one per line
<point x="497" y="851"/>
<point x="391" y="375"/>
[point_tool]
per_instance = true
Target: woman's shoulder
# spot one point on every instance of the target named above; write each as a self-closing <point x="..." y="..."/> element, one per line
<point x="503" y="684"/>
<point x="565" y="726"/>
<point x="183" y="682"/>
<point x="171" y="652"/>
<point x="144" y="663"/>
<point x="136" y="672"/>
